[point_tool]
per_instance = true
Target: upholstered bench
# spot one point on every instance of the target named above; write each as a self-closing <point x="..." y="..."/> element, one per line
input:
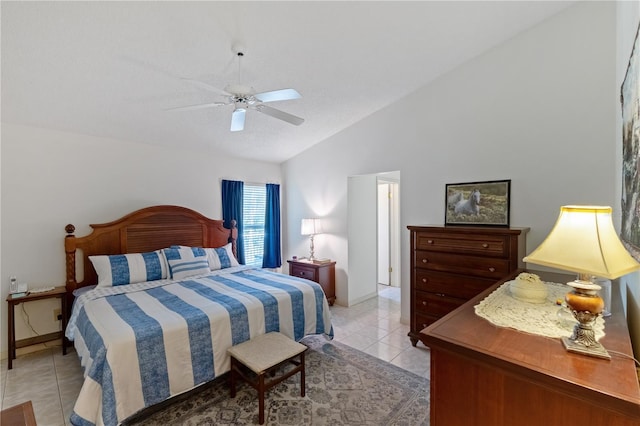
<point x="263" y="354"/>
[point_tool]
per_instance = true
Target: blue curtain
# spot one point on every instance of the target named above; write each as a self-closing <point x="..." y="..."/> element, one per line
<point x="272" y="257"/>
<point x="232" y="196"/>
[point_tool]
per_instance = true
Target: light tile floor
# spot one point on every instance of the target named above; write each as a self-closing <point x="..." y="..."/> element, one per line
<point x="52" y="381"/>
<point x="374" y="327"/>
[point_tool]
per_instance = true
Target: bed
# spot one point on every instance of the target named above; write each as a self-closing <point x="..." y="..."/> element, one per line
<point x="166" y="326"/>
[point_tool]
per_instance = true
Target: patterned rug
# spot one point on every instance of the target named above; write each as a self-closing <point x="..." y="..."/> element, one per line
<point x="344" y="387"/>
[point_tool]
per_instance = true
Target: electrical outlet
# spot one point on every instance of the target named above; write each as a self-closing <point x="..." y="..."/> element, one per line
<point x="57" y="315"/>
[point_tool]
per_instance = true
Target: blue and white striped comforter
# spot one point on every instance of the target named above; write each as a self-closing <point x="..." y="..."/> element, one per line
<point x="142" y="343"/>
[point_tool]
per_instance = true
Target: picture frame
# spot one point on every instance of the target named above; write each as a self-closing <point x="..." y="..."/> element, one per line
<point x="485" y="203"/>
<point x="630" y="106"/>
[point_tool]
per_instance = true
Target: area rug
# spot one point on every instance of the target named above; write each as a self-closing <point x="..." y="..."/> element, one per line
<point x="344" y="386"/>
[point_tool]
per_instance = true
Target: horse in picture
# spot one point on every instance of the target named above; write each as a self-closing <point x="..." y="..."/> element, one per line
<point x="454" y="199"/>
<point x="470" y="206"/>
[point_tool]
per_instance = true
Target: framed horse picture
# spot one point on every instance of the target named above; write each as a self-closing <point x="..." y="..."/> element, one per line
<point x="630" y="100"/>
<point x="478" y="203"/>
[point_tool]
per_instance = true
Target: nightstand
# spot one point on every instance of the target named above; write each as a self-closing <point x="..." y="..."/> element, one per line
<point x="324" y="273"/>
<point x="58" y="292"/>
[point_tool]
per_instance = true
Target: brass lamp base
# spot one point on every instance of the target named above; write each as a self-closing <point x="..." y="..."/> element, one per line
<point x="586" y="305"/>
<point x="311" y="254"/>
<point x="596" y="350"/>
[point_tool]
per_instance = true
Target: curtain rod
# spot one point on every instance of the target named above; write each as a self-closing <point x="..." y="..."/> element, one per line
<point x="250" y="183"/>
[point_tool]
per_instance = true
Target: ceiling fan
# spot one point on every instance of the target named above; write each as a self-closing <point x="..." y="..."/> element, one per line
<point x="244" y="98"/>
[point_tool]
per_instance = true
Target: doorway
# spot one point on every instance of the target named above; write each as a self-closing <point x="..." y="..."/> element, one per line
<point x="363" y="230"/>
<point x="388" y="235"/>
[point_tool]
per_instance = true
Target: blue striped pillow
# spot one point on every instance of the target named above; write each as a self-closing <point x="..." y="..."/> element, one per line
<point x="123" y="269"/>
<point x="175" y="255"/>
<point x="183" y="268"/>
<point x="184" y="251"/>
<point x="222" y="257"/>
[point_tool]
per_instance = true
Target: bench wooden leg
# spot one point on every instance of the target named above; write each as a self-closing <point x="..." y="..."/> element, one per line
<point x="232" y="378"/>
<point x="261" y="390"/>
<point x="302" y="387"/>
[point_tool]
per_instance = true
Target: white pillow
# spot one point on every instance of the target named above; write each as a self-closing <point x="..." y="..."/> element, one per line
<point x="182" y="268"/>
<point x="220" y="258"/>
<point x="82" y="290"/>
<point x="122" y="269"/>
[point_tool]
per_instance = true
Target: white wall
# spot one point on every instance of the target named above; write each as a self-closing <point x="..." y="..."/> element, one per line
<point x="628" y="15"/>
<point x="50" y="179"/>
<point x="362" y="224"/>
<point x="537" y="110"/>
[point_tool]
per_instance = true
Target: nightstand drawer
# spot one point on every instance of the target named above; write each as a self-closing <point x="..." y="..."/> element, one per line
<point x="303" y="271"/>
<point x="469" y="265"/>
<point x="455" y="285"/>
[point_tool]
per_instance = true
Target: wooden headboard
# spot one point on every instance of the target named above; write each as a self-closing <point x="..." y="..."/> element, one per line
<point x="144" y="230"/>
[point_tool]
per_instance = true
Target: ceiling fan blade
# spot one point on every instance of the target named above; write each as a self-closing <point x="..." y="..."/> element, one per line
<point x="278" y="95"/>
<point x="199" y="106"/>
<point x="289" y="118"/>
<point x="237" y="119"/>
<point x="206" y="86"/>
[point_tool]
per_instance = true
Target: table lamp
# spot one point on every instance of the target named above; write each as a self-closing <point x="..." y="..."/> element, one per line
<point x="584" y="241"/>
<point x="310" y="227"/>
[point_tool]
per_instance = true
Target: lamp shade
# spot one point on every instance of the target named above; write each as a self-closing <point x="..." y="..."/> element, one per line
<point x="310" y="227"/>
<point x="583" y="240"/>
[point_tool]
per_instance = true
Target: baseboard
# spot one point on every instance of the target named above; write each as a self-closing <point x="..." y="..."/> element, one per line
<point x="362" y="299"/>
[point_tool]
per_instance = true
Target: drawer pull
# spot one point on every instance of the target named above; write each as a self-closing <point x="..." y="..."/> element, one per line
<point x="424" y="325"/>
<point x="485" y="245"/>
<point x="424" y="303"/>
<point x="429" y="241"/>
<point x="440" y="294"/>
<point x="492" y="269"/>
<point x="425" y="260"/>
<point x="424" y="280"/>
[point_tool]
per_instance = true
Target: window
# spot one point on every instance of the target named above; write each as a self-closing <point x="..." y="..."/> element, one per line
<point x="253" y="210"/>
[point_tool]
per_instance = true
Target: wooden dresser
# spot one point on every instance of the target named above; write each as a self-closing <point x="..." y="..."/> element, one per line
<point x="484" y="375"/>
<point x="450" y="265"/>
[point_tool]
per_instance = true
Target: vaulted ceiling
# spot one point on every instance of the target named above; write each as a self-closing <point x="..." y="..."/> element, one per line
<point x="114" y="69"/>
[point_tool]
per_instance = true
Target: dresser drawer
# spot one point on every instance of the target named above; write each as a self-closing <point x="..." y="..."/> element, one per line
<point x="421" y="321"/>
<point x="303" y="271"/>
<point x="434" y="304"/>
<point x="488" y="245"/>
<point x="462" y="286"/>
<point x="466" y="265"/>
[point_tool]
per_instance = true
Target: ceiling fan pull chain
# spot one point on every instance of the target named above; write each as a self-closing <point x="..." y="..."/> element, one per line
<point x="240" y="55"/>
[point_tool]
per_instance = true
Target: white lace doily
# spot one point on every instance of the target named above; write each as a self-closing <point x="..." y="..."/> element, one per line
<point x="503" y="310"/>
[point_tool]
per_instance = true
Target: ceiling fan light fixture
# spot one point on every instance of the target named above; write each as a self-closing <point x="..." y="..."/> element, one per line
<point x="239" y="90"/>
<point x="237" y="118"/>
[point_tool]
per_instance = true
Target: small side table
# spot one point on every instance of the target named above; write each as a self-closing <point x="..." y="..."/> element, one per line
<point x="21" y="414"/>
<point x="324" y="273"/>
<point x="58" y="292"/>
